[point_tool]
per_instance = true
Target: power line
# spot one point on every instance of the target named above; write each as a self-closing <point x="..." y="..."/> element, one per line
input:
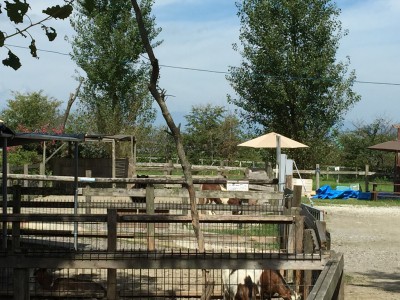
<point x="208" y="70"/>
<point x="43" y="50"/>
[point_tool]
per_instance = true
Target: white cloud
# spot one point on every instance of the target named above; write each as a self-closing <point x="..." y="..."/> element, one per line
<point x="373" y="46"/>
<point x="204" y="41"/>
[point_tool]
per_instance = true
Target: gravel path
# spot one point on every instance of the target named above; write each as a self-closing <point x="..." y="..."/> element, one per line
<point x="369" y="237"/>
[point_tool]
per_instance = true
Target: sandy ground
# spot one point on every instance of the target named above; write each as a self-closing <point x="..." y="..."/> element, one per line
<point x="369" y="237"/>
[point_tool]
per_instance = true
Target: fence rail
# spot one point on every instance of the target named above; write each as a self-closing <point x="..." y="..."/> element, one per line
<point x="153" y="237"/>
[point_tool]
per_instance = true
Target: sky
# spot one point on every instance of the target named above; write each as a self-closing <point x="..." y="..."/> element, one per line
<point x="198" y="34"/>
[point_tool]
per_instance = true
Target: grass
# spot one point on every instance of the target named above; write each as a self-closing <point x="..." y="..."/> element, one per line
<point x="384" y="185"/>
<point x="351" y="201"/>
<point x="258" y="230"/>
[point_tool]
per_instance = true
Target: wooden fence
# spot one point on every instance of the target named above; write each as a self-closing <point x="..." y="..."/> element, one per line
<point x="299" y="256"/>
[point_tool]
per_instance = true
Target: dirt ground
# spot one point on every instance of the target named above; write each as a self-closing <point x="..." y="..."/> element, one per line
<point x="369" y="237"/>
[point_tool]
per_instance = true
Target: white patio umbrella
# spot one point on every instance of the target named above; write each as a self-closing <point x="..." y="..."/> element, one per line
<point x="274" y="140"/>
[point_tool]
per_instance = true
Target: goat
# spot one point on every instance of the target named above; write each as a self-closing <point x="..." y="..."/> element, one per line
<point x="271" y="282"/>
<point x="228" y="201"/>
<point x="240" y="284"/>
<point x="48" y="282"/>
<point x="247" y="284"/>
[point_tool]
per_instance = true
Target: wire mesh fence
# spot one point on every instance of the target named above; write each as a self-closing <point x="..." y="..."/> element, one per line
<point x="152" y="248"/>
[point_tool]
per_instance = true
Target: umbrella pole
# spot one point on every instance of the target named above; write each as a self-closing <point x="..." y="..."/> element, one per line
<point x="278" y="162"/>
<point x="4" y="193"/>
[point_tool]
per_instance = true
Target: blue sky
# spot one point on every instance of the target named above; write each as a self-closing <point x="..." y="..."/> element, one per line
<point x="199" y="34"/>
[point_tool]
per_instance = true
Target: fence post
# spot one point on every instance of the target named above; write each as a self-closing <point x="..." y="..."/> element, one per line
<point x="317" y="173"/>
<point x="111" y="247"/>
<point x="151" y="245"/>
<point x="21" y="284"/>
<point x="16" y="226"/>
<point x="308" y="249"/>
<point x="20" y="275"/>
<point x="26" y="182"/>
<point x="366" y="178"/>
<point x="88" y="199"/>
<point x="296" y="233"/>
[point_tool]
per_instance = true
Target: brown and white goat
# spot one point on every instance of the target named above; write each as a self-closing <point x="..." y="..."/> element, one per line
<point x="227" y="201"/>
<point x="255" y="284"/>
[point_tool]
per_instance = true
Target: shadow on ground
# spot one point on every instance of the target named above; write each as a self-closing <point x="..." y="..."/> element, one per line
<point x="389" y="282"/>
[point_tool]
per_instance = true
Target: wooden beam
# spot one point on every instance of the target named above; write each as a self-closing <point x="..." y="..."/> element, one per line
<point x="329" y="280"/>
<point x="157" y="260"/>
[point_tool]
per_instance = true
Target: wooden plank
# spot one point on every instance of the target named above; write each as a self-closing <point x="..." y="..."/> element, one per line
<point x="321" y="234"/>
<point x="161" y="218"/>
<point x="180" y="193"/>
<point x="151" y="180"/>
<point x="329" y="280"/>
<point x="157" y="260"/>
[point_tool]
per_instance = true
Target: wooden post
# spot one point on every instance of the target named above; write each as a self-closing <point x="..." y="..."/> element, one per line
<point x="9" y="182"/>
<point x="21" y="284"/>
<point x="151" y="244"/>
<point x="299" y="235"/>
<point x="366" y="178"/>
<point x="88" y="199"/>
<point x="317" y="173"/>
<point x="111" y="247"/>
<point x="308" y="249"/>
<point x="295" y="238"/>
<point x="296" y="200"/>
<point x="113" y="163"/>
<point x="20" y="276"/>
<point x="26" y="182"/>
<point x="41" y="172"/>
<point x="16" y="226"/>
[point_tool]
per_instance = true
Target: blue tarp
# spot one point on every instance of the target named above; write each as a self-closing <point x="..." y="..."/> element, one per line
<point x="326" y="192"/>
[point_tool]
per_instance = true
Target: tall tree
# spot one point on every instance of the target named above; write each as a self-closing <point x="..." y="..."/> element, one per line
<point x="289" y="80"/>
<point x="108" y="48"/>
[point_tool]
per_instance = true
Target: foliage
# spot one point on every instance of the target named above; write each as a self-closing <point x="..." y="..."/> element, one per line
<point x="289" y="81"/>
<point x="156" y="142"/>
<point x="107" y="47"/>
<point x="17" y="12"/>
<point x="32" y="112"/>
<point x="353" y="145"/>
<point x="17" y="156"/>
<point x="212" y="133"/>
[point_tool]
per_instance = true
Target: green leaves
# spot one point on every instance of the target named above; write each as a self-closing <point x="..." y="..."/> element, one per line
<point x="2" y="38"/>
<point x="33" y="48"/>
<point x="59" y="12"/>
<point x="50" y="32"/>
<point x="16" y="11"/>
<point x="12" y="61"/>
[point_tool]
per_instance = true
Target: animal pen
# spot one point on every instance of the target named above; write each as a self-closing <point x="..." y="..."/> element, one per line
<point x="109" y="247"/>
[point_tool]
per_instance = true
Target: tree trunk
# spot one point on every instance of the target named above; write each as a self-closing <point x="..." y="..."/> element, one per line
<point x="159" y="96"/>
<point x="72" y="98"/>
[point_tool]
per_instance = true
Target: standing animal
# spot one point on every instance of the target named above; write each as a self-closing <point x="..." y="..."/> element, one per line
<point x="247" y="284"/>
<point x="211" y="187"/>
<point x="228" y="201"/>
<point x="139" y="185"/>
<point x="48" y="282"/>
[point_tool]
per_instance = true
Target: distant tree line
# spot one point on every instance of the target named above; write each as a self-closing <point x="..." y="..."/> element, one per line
<point x="211" y="133"/>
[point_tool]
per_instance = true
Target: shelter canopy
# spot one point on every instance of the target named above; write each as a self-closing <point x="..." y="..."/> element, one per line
<point x="17" y="139"/>
<point x="390" y="146"/>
